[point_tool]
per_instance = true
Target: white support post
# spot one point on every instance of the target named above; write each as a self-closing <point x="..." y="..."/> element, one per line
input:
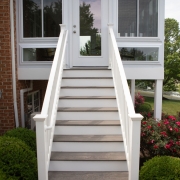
<point x="110" y="48"/>
<point x="135" y="130"/>
<point x="41" y="146"/>
<point x="158" y="99"/>
<point x="133" y="90"/>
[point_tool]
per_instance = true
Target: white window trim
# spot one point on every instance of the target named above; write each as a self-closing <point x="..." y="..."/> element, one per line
<point x="39" y="42"/>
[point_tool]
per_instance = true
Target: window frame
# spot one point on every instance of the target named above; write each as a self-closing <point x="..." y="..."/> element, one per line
<point x="33" y="42"/>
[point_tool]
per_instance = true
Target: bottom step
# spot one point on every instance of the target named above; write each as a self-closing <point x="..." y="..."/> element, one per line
<point x="88" y="175"/>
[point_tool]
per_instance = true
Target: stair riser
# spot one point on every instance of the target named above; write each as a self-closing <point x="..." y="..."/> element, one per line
<point x="88" y="166"/>
<point x="87" y="130"/>
<point x="87" y="116"/>
<point x="88" y="92"/>
<point x="87" y="103"/>
<point x="88" y="146"/>
<point x="87" y="82"/>
<point x="87" y="73"/>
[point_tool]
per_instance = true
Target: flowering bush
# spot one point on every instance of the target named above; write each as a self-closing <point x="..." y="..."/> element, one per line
<point x="138" y="100"/>
<point x="160" y="137"/>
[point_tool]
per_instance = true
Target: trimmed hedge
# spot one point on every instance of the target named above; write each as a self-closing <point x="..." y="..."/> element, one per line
<point x="161" y="168"/>
<point x="17" y="161"/>
<point x="145" y="107"/>
<point x="26" y="135"/>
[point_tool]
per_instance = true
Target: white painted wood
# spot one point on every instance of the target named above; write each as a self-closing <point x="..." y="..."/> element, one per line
<point x="88" y="166"/>
<point x="87" y="73"/>
<point x="88" y="92"/>
<point x="130" y="121"/>
<point x="87" y="130"/>
<point x="87" y="116"/>
<point x="88" y="146"/>
<point x="87" y="103"/>
<point x="87" y="82"/>
<point x="158" y="99"/>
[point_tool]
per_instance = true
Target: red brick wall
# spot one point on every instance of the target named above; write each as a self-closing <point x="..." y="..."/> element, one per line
<point x="7" y="118"/>
<point x="6" y="102"/>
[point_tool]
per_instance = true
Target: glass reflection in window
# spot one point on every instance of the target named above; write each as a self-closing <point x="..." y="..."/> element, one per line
<point x="90" y="27"/>
<point x="139" y="54"/>
<point x="38" y="54"/>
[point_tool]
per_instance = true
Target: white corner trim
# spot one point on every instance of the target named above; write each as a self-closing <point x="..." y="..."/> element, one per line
<point x="13" y="63"/>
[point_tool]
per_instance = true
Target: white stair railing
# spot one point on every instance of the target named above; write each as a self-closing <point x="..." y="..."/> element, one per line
<point x="130" y="121"/>
<point x="45" y="122"/>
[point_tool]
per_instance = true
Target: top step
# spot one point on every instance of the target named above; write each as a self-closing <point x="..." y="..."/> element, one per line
<point x="87" y="73"/>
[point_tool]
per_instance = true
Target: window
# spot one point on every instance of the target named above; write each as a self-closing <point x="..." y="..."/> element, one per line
<point x="139" y="53"/>
<point x="138" y="18"/>
<point x="38" y="54"/>
<point x="41" y="18"/>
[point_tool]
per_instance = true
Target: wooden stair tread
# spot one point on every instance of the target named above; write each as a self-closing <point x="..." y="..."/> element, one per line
<point x="87" y="123"/>
<point x="88" y="138"/>
<point x="86" y="87"/>
<point x="86" y="77"/>
<point x="87" y="97"/>
<point x="89" y="68"/>
<point x="88" y="156"/>
<point x="87" y="175"/>
<point x="87" y="109"/>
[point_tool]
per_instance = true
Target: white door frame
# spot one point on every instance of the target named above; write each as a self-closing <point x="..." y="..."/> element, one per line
<point x="72" y="17"/>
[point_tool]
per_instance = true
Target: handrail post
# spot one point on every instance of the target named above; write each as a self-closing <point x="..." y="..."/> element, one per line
<point x="41" y="146"/>
<point x="135" y="129"/>
<point x="110" y="47"/>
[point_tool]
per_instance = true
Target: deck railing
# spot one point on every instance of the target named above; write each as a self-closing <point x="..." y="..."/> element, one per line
<point x="130" y="121"/>
<point x="45" y="122"/>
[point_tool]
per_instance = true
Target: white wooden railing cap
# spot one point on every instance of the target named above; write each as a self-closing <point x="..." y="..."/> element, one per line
<point x="40" y="117"/>
<point x="136" y="117"/>
<point x="63" y="26"/>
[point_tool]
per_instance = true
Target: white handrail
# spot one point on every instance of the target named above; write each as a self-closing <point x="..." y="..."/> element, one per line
<point x="130" y="121"/>
<point x="45" y="122"/>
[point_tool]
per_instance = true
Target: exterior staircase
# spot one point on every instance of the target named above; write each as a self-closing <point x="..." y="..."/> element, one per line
<point x="88" y="143"/>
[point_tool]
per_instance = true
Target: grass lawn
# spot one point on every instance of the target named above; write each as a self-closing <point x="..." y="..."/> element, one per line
<point x="168" y="106"/>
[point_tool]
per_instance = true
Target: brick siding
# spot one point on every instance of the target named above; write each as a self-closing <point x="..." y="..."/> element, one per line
<point x="7" y="118"/>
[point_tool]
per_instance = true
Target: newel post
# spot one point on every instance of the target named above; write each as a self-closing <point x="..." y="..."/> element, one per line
<point x="41" y="146"/>
<point x="110" y="46"/>
<point x="135" y="130"/>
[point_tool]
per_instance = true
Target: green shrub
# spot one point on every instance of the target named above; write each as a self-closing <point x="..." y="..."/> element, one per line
<point x="145" y="107"/>
<point x="3" y="176"/>
<point x="26" y="135"/>
<point x="17" y="160"/>
<point x="161" y="168"/>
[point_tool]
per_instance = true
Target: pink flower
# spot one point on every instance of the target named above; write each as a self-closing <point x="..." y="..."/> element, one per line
<point x="159" y="124"/>
<point x="143" y="134"/>
<point x="178" y="143"/>
<point x="156" y="147"/>
<point x="144" y="122"/>
<point x="152" y="141"/>
<point x="170" y="128"/>
<point x="176" y="129"/>
<point x="149" y="114"/>
<point x="149" y="127"/>
<point x="178" y="123"/>
<point x="163" y="133"/>
<point x="172" y="118"/>
<point x="167" y="146"/>
<point x="166" y="121"/>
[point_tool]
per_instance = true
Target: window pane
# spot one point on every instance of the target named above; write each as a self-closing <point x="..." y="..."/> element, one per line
<point x="127" y="18"/>
<point x="38" y="54"/>
<point x="52" y="17"/>
<point x="148" y="18"/>
<point x="32" y="18"/>
<point x="90" y="27"/>
<point x="138" y="54"/>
